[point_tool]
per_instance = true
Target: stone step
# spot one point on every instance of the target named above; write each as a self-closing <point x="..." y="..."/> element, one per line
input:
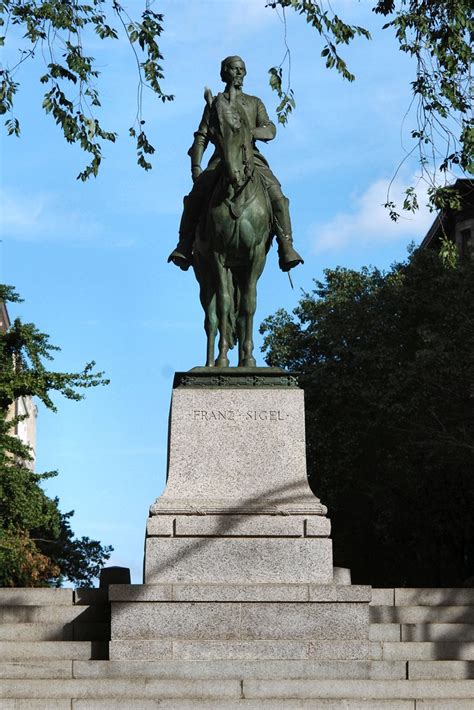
<point x="422" y="614"/>
<point x="34" y="668"/>
<point x="54" y="650"/>
<point x="421" y="632"/>
<point x="11" y="596"/>
<point x="422" y="650"/>
<point x="239" y="593"/>
<point x="461" y="596"/>
<point x="240" y="620"/>
<point x="90" y="596"/>
<point x="75" y="631"/>
<point x="325" y="704"/>
<point x="369" y="689"/>
<point x="210" y="650"/>
<point x="441" y="670"/>
<point x="240" y="670"/>
<point x="39" y="596"/>
<point x="177" y="704"/>
<point x="20" y="614"/>
<point x="271" y="689"/>
<point x="434" y="597"/>
<point x="124" y="688"/>
<point x="38" y="704"/>
<point x="437" y="632"/>
<point x="410" y="596"/>
<point x="444" y="704"/>
<point x="382" y="597"/>
<point x="179" y="669"/>
<point x="385" y="632"/>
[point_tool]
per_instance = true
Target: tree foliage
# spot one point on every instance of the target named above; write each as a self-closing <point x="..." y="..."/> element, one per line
<point x="438" y="35"/>
<point x="37" y="545"/>
<point x="387" y="364"/>
<point x="59" y="32"/>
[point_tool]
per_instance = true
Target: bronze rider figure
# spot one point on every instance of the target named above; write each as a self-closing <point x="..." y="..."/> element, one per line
<point x="233" y="72"/>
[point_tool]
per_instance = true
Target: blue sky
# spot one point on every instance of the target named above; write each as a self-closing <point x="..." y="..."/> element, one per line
<point x="90" y="259"/>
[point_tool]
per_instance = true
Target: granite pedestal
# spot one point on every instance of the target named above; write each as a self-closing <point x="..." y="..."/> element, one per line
<point x="238" y="549"/>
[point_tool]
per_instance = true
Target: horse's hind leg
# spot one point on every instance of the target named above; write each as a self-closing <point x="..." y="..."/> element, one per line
<point x="240" y="323"/>
<point x="210" y="326"/>
<point x="246" y="358"/>
<point x="207" y="296"/>
<point x="224" y="305"/>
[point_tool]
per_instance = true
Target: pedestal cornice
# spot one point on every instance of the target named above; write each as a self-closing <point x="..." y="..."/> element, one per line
<point x="236" y="377"/>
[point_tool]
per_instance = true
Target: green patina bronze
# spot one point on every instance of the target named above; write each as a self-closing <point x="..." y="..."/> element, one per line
<point x="231" y="214"/>
<point x="233" y="377"/>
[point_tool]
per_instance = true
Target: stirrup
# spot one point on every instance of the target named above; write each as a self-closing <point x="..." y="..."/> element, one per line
<point x="286" y="265"/>
<point x="288" y="256"/>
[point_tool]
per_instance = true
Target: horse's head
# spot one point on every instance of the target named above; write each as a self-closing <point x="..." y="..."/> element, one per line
<point x="235" y="145"/>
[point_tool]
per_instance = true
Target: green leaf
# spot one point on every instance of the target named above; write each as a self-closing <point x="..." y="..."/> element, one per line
<point x="13" y="127"/>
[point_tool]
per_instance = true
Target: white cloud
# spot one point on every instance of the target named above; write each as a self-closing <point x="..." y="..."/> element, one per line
<point x="38" y="217"/>
<point x="368" y="221"/>
<point x="20" y="214"/>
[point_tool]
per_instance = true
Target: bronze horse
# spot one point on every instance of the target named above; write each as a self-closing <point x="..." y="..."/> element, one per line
<point x="234" y="237"/>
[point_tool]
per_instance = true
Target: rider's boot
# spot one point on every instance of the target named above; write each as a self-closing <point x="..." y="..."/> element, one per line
<point x="182" y="255"/>
<point x="288" y="256"/>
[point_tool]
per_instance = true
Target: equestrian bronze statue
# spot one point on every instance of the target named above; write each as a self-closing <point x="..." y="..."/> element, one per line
<point x="231" y="214"/>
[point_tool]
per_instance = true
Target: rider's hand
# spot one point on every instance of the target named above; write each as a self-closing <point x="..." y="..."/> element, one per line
<point x="196" y="170"/>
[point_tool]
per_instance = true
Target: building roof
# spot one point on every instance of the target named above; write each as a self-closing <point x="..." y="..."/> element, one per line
<point x="443" y="224"/>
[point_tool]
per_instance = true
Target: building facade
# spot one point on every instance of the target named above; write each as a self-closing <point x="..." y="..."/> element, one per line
<point x="25" y="430"/>
<point x="455" y="225"/>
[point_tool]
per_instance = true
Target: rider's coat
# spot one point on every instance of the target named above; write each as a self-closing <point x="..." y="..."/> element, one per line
<point x="262" y="129"/>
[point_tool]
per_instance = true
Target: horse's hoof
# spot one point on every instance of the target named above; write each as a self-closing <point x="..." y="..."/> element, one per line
<point x="222" y="362"/>
<point x="248" y="362"/>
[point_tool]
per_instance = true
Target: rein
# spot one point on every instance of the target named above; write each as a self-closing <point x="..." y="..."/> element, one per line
<point x="236" y="210"/>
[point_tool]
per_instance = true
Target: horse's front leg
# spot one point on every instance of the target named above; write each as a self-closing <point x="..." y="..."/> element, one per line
<point x="224" y="305"/>
<point x="248" y="302"/>
<point x="246" y="358"/>
<point x="248" y="306"/>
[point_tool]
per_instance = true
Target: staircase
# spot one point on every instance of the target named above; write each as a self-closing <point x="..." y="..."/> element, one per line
<point x="420" y="656"/>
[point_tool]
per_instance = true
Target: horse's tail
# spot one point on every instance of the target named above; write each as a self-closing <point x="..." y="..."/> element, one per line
<point x="234" y="293"/>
